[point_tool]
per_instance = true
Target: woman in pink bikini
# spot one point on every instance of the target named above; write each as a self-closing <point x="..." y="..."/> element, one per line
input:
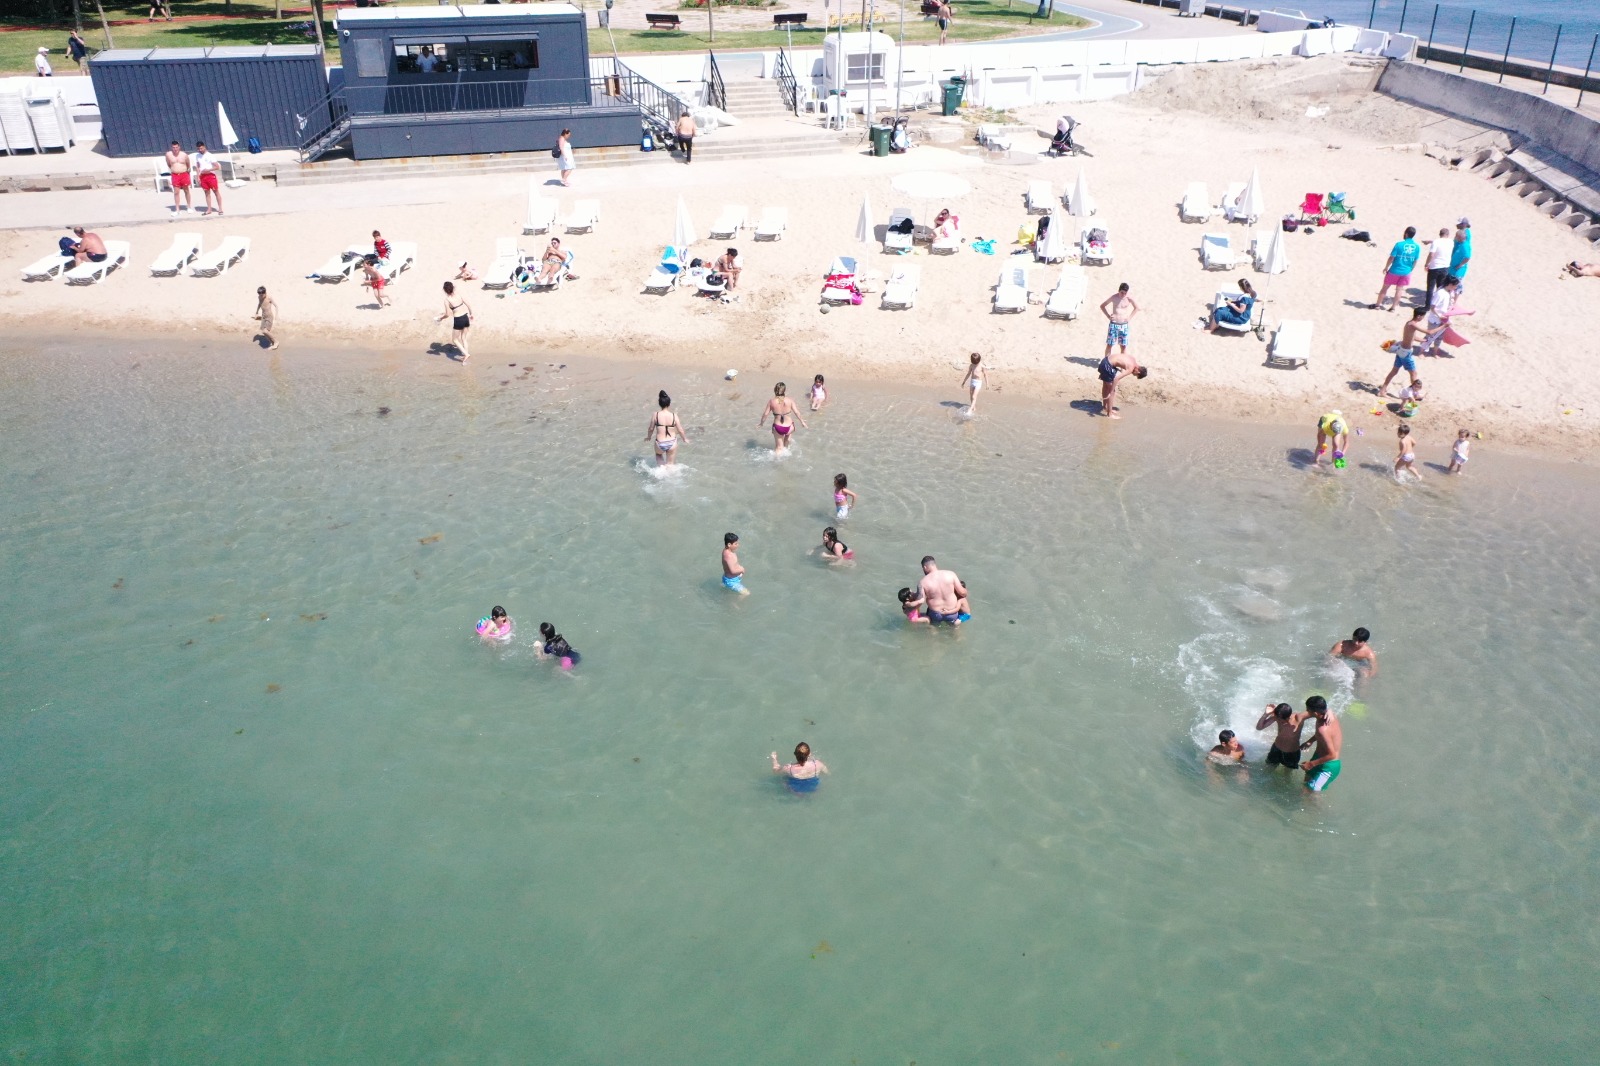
<point x="784" y="415"/>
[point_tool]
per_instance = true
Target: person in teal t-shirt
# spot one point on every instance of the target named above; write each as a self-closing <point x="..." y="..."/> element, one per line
<point x="1461" y="254"/>
<point x="1397" y="271"/>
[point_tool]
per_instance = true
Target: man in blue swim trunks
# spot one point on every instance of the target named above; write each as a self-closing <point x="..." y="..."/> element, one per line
<point x="943" y="592"/>
<point x="1119" y="309"/>
<point x="732" y="572"/>
<point x="1405" y="353"/>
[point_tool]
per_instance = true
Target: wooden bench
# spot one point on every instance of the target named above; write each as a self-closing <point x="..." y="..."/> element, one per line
<point x="789" y="18"/>
<point x="663" y="22"/>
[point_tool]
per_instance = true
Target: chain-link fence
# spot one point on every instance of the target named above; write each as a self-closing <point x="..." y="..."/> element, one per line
<point x="1522" y="47"/>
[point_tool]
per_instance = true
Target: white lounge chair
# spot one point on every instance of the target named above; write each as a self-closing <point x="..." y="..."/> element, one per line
<point x="1216" y="252"/>
<point x="839" y="285"/>
<point x="185" y="248"/>
<point x="774" y="220"/>
<point x="507" y="259"/>
<point x="1094" y="245"/>
<point x="1196" y="206"/>
<point x="402" y="256"/>
<point x="995" y="138"/>
<point x="1011" y="291"/>
<point x="1230" y="200"/>
<point x="1066" y="299"/>
<point x="1040" y="199"/>
<point x="1291" y="345"/>
<point x="585" y="216"/>
<point x="667" y="274"/>
<point x="94" y="273"/>
<point x="1223" y="297"/>
<point x="533" y="284"/>
<point x="901" y="291"/>
<point x="219" y="259"/>
<point x="46" y="268"/>
<point x="541" y="212"/>
<point x="897" y="237"/>
<point x="730" y="222"/>
<point x="341" y="267"/>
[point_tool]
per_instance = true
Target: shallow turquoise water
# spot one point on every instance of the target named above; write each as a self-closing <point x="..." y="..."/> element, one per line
<point x="267" y="798"/>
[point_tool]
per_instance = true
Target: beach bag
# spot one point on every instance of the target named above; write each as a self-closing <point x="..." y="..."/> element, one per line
<point x="714" y="278"/>
<point x="1290" y="223"/>
<point x="1097" y="236"/>
<point x="254" y="144"/>
<point x="555" y="153"/>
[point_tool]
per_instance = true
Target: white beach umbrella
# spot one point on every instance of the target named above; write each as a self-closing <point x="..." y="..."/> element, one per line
<point x="1275" y="260"/>
<point x="1252" y="202"/>
<point x="229" y="139"/>
<point x="1054" y="247"/>
<point x="865" y="223"/>
<point x="683" y="233"/>
<point x="1081" y="206"/>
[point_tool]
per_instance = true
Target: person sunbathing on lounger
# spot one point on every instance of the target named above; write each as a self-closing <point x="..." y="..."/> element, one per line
<point x="552" y="262"/>
<point x="1583" y="270"/>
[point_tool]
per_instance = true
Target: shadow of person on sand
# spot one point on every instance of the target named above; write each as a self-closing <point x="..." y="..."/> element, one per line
<point x="449" y="351"/>
<point x="1083" y="360"/>
<point x="1088" y="407"/>
<point x="952" y="403"/>
<point x="1304" y="458"/>
<point x="1363" y="386"/>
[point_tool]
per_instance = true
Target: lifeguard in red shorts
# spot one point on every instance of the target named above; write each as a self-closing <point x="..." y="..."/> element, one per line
<point x="209" y="169"/>
<point x="178" y="169"/>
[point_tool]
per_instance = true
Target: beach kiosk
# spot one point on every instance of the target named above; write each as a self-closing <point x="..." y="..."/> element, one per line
<point x="858" y="65"/>
<point x="429" y="81"/>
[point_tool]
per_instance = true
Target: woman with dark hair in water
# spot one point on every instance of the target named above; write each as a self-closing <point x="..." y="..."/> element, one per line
<point x="555" y="646"/>
<point x="804" y="773"/>
<point x="665" y="431"/>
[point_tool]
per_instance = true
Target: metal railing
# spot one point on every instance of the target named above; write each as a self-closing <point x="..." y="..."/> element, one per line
<point x="1562" y="53"/>
<point x="787" y="85"/>
<point x="660" y="108"/>
<point x="322" y="125"/>
<point x="716" y="92"/>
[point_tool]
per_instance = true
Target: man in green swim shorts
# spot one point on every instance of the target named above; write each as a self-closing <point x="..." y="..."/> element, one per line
<point x="1323" y="769"/>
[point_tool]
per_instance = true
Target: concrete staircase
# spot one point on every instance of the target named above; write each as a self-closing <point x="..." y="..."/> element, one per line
<point x="754" y="98"/>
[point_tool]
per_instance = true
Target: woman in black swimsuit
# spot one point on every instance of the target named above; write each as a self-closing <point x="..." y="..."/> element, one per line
<point x="665" y="430"/>
<point x="460" y="314"/>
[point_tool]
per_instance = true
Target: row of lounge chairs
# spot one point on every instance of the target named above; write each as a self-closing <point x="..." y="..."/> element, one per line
<point x="343" y="266"/>
<point x="58" y="265"/>
<point x="184" y="253"/>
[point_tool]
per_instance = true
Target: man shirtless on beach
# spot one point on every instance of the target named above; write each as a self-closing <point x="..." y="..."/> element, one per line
<point x="1323" y="769"/>
<point x="943" y="593"/>
<point x="1357" y="648"/>
<point x="89" y="248"/>
<point x="1285" y="750"/>
<point x="1119" y="309"/>
<point x="178" y="168"/>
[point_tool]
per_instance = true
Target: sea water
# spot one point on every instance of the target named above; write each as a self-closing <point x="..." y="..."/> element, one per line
<point x="267" y="797"/>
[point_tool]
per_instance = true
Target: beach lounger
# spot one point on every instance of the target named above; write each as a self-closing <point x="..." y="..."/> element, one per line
<point x="402" y="256"/>
<point x="774" y="220"/>
<point x="1222" y="298"/>
<point x="1230" y="201"/>
<point x="1196" y="206"/>
<point x="945" y="245"/>
<point x="897" y="237"/>
<point x="1216" y="252"/>
<point x="728" y="223"/>
<point x="585" y="216"/>
<point x="507" y="260"/>
<point x="1094" y="246"/>
<point x="341" y="267"/>
<point x="1011" y="291"/>
<point x="541" y="211"/>
<point x="839" y="285"/>
<point x="94" y="273"/>
<point x="1039" y="198"/>
<point x="46" y="268"/>
<point x="529" y="276"/>
<point x="667" y="274"/>
<point x="185" y="248"/>
<point x="1291" y="345"/>
<point x="900" y="294"/>
<point x="1066" y="299"/>
<point x="994" y="138"/>
<point x="219" y="259"/>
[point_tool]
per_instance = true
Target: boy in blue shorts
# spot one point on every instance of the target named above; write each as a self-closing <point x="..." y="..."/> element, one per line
<point x="732" y="572"/>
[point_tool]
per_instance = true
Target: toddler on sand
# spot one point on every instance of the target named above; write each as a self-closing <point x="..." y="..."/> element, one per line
<point x="1406" y="458"/>
<point x="819" y="394"/>
<point x="1458" y="451"/>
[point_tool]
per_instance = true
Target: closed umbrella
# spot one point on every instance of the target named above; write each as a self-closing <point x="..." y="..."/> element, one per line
<point x="229" y="139"/>
<point x="1275" y="260"/>
<point x="683" y="233"/>
<point x="1053" y="248"/>
<point x="1252" y="202"/>
<point x="1081" y="206"/>
<point x="865" y="223"/>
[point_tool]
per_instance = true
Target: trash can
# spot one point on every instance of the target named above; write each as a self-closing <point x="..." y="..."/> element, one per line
<point x="880" y="140"/>
<point x="954" y="90"/>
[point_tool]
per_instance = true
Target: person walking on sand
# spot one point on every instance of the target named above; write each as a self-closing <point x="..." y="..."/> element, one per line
<point x="41" y="64"/>
<point x="1112" y="370"/>
<point x="784" y="415"/>
<point x="685" y="130"/>
<point x="1285" y="750"/>
<point x="177" y="161"/>
<point x="564" y="153"/>
<point x="1357" y="648"/>
<point x="1438" y="264"/>
<point x="1398" y="267"/>
<point x="209" y="168"/>
<point x="942" y="592"/>
<point x="1323" y="769"/>
<point x="78" y="51"/>
<point x="732" y="571"/>
<point x="1405" y="353"/>
<point x="1461" y="253"/>
<point x="459" y="313"/>
<point x="1458" y="451"/>
<point x="974" y="380"/>
<point x="946" y="16"/>
<point x="1119" y="309"/>
<point x="267" y="315"/>
<point x="665" y="431"/>
<point x="372" y="278"/>
<point x="804" y="773"/>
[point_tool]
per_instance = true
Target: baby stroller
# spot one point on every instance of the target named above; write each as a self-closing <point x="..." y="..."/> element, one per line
<point x="1062" y="143"/>
<point x="899" y="140"/>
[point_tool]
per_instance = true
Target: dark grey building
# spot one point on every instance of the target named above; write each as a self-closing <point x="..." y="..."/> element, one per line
<point x="148" y="97"/>
<point x="422" y="81"/>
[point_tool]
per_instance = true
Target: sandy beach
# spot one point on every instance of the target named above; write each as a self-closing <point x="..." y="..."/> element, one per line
<point x="1525" y="379"/>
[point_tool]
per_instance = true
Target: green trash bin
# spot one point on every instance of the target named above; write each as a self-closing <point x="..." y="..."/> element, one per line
<point x="880" y="140"/>
<point x="954" y="90"/>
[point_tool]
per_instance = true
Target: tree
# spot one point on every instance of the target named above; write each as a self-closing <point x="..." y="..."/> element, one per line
<point x="316" y="16"/>
<point x="105" y="26"/>
<point x="1046" y="9"/>
<point x="77" y="18"/>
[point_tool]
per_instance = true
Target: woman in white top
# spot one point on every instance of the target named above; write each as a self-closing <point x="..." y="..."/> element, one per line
<point x="1438" y="262"/>
<point x="564" y="147"/>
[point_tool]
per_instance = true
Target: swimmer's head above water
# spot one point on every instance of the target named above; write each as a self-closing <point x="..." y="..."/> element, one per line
<point x="929" y="564"/>
<point x="1317" y="707"/>
<point x="663" y="399"/>
<point x="547" y="631"/>
<point x="802" y="753"/>
<point x="907" y="595"/>
<point x="730" y="540"/>
<point x="1283" y="711"/>
<point x="498" y="614"/>
<point x="1361" y="635"/>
